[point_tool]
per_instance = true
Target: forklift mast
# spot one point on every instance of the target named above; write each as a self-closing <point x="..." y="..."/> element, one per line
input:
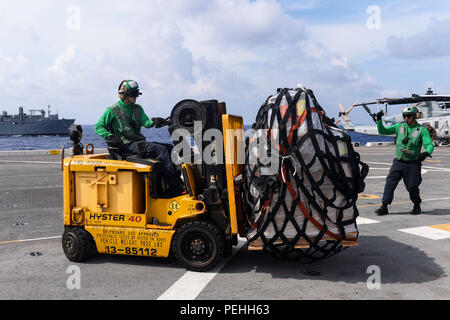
<point x="217" y="186"/>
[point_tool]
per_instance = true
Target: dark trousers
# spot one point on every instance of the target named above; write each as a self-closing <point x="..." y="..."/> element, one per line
<point x="161" y="153"/>
<point x="410" y="171"/>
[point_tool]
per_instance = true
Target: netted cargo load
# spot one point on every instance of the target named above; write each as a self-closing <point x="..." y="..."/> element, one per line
<point x="301" y="180"/>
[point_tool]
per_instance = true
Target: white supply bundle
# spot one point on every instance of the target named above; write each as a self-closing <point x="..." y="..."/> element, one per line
<point x="308" y="189"/>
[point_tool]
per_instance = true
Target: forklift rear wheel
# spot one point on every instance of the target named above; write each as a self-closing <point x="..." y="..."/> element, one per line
<point x="78" y="244"/>
<point x="198" y="245"/>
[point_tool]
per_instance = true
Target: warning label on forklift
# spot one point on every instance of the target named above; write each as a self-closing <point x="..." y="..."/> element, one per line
<point x="131" y="241"/>
<point x="174" y="206"/>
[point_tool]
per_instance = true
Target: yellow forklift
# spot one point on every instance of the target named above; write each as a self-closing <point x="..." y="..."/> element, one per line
<point x="117" y="204"/>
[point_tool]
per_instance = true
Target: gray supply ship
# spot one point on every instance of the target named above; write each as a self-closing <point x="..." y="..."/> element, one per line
<point x="34" y="123"/>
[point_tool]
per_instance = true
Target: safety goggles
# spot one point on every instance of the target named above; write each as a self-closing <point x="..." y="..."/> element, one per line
<point x="133" y="93"/>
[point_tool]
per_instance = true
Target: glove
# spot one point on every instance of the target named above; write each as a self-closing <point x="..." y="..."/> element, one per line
<point x="159" y="122"/>
<point x="378" y="116"/>
<point x="114" y="141"/>
<point x="422" y="156"/>
<point x="75" y="136"/>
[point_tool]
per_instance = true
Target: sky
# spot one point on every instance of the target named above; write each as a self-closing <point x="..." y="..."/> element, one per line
<point x="73" y="55"/>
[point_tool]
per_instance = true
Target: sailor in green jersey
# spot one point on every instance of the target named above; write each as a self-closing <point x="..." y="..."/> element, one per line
<point x="410" y="137"/>
<point x="121" y="124"/>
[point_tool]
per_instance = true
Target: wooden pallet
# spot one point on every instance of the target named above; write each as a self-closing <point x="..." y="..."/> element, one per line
<point x="257" y="244"/>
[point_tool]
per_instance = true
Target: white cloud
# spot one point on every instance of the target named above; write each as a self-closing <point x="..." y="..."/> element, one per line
<point x="426" y="44"/>
<point x="353" y="39"/>
<point x="64" y="60"/>
<point x="295" y="5"/>
<point x="238" y="51"/>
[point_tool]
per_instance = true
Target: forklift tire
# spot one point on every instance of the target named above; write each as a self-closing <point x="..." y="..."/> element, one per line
<point x="198" y="245"/>
<point x="78" y="244"/>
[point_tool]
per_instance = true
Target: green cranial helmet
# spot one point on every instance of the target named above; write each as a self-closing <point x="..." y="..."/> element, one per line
<point x="129" y="88"/>
<point x="410" y="110"/>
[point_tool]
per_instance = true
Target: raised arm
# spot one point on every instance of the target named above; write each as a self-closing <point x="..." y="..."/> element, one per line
<point x="386" y="130"/>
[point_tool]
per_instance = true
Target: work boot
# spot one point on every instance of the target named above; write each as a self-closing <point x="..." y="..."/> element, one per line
<point x="383" y="210"/>
<point x="416" y="209"/>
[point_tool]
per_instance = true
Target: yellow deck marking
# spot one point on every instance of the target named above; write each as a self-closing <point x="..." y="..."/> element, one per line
<point x="364" y="196"/>
<point x="445" y="226"/>
<point x="402" y="202"/>
<point x="378" y="204"/>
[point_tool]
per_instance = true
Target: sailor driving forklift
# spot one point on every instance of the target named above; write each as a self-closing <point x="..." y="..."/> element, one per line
<point x="410" y="137"/>
<point x="121" y="124"/>
<point x="117" y="204"/>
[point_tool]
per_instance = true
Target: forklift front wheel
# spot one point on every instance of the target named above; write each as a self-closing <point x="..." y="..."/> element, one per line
<point x="78" y="244"/>
<point x="198" y="245"/>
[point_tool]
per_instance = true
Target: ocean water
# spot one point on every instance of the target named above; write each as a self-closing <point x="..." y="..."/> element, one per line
<point x="89" y="136"/>
<point x="364" y="138"/>
<point x="57" y="142"/>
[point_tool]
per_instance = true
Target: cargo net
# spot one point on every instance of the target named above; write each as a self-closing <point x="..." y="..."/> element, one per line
<point x="301" y="180"/>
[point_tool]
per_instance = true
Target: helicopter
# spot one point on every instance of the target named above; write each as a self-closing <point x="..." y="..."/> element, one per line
<point x="433" y="110"/>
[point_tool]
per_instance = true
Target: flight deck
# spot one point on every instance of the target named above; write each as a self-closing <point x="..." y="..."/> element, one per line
<point x="399" y="256"/>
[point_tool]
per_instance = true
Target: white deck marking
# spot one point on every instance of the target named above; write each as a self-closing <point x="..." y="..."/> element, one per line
<point x="385" y="163"/>
<point x="191" y="284"/>
<point x="423" y="171"/>
<point x="428" y="232"/>
<point x="392" y="154"/>
<point x="375" y="177"/>
<point x="30" y="240"/>
<point x="362" y="220"/>
<point x="436" y="199"/>
<point x="23" y="161"/>
<point x="423" y="167"/>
